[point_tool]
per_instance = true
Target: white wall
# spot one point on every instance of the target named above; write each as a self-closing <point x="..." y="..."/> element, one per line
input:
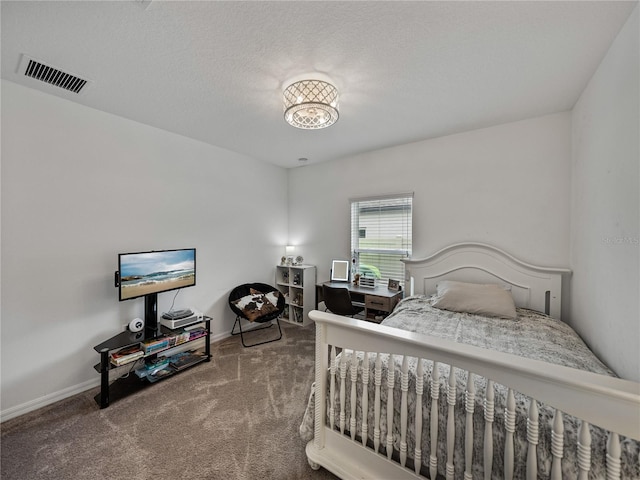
<point x="506" y="185"/>
<point x="605" y="207"/>
<point x="78" y="187"/>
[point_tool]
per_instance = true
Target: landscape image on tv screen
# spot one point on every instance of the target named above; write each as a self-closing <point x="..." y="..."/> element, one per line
<point x="154" y="272"/>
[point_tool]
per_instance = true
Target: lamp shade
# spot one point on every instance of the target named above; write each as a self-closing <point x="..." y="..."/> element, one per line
<point x="311" y="104"/>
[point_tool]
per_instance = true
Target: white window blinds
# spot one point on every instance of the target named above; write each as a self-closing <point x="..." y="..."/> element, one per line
<point x="381" y="235"/>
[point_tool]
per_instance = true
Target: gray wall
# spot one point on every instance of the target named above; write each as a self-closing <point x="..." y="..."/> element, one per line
<point x="78" y="187"/>
<point x="605" y="207"/>
<point x="506" y="185"/>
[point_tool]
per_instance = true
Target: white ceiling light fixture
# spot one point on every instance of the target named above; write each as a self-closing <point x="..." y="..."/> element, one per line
<point x="311" y="103"/>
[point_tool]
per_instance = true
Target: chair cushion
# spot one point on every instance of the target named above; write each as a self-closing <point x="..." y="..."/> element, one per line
<point x="257" y="304"/>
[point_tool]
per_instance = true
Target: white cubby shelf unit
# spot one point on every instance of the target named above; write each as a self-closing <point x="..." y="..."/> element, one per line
<point x="298" y="285"/>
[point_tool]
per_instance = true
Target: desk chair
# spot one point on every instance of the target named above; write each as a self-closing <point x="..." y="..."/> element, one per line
<point x="338" y="300"/>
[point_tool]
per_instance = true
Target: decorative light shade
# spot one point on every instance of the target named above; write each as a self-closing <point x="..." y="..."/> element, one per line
<point x="311" y="104"/>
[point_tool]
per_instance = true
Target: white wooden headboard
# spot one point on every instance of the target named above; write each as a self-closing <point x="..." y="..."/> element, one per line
<point x="534" y="287"/>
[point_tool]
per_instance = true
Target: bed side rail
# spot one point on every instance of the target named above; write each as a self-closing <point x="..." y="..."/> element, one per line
<point x="610" y="403"/>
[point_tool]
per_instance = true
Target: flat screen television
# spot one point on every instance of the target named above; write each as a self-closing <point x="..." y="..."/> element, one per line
<point x="145" y="274"/>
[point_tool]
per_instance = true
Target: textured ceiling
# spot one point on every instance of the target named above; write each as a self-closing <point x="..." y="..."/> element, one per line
<point x="406" y="71"/>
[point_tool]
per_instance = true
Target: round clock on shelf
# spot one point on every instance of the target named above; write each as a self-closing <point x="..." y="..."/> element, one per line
<point x="299" y="260"/>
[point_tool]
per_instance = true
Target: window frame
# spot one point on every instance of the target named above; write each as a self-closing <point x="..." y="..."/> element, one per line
<point x="405" y="229"/>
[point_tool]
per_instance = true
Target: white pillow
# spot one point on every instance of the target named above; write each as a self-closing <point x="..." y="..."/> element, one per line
<point x="482" y="299"/>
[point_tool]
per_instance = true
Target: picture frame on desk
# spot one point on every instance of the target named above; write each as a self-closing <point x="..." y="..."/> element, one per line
<point x="394" y="285"/>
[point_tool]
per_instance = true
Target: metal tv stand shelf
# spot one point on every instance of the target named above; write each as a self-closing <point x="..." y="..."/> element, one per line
<point x="128" y="381"/>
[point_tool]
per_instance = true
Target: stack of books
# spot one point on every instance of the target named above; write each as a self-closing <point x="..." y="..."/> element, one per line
<point x="126" y="355"/>
<point x="178" y="339"/>
<point x="155" y="345"/>
<point x="197" y="333"/>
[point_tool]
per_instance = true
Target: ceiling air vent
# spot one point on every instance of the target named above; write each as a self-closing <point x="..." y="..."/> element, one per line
<point x="53" y="76"/>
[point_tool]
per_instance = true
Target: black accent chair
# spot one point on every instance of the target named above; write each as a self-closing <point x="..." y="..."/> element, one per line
<point x="338" y="300"/>
<point x="269" y="314"/>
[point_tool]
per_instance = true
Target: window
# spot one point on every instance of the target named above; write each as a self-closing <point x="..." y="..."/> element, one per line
<point x="381" y="235"/>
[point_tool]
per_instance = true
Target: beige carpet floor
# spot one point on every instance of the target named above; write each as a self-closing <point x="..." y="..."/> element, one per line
<point x="236" y="417"/>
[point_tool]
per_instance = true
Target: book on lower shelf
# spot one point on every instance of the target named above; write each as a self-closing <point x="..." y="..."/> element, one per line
<point x="182" y="360"/>
<point x="152" y="366"/>
<point x="160" y="373"/>
<point x="126" y="355"/>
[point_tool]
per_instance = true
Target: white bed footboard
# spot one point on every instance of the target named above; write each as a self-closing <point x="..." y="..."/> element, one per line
<point x="368" y="444"/>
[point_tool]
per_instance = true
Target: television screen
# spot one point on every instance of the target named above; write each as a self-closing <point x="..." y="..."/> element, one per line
<point x="145" y="273"/>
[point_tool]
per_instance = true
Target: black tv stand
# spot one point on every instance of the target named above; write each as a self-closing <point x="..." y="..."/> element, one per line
<point x="151" y="315"/>
<point x="129" y="382"/>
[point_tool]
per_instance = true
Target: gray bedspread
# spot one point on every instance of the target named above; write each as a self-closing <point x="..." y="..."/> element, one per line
<point x="531" y="335"/>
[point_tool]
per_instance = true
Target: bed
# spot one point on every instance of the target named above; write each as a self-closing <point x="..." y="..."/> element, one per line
<point x="469" y="395"/>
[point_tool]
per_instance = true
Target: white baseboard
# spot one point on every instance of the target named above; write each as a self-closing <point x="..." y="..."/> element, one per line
<point x="219" y="336"/>
<point x="37" y="403"/>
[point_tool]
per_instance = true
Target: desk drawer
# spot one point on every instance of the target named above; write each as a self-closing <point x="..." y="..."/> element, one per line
<point x="377" y="303"/>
